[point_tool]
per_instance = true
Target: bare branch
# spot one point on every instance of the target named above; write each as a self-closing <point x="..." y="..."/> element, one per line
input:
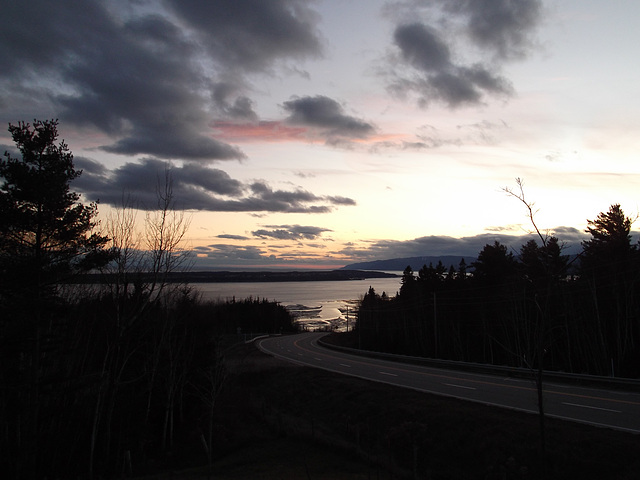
<point x="165" y="230"/>
<point x="529" y="205"/>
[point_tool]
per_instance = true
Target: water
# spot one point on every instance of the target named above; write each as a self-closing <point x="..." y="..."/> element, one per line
<point x="313" y="304"/>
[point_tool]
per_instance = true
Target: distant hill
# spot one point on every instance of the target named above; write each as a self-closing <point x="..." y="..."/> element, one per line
<point x="252" y="276"/>
<point x="416" y="263"/>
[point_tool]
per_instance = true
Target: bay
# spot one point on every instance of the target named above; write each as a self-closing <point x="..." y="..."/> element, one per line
<point x="315" y="305"/>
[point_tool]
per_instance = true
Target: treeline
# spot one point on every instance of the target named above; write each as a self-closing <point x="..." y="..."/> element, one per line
<point x="578" y="314"/>
<point x="113" y="395"/>
<point x="110" y="381"/>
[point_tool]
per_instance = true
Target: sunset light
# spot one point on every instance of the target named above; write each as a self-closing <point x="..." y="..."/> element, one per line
<point x="383" y="128"/>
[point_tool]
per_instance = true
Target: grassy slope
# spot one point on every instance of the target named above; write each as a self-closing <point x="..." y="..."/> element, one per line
<point x="279" y="421"/>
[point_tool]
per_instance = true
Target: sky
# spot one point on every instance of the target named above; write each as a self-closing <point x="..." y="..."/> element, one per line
<point x="319" y="133"/>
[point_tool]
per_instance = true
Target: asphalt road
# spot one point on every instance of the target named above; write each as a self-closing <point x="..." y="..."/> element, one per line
<point x="613" y="409"/>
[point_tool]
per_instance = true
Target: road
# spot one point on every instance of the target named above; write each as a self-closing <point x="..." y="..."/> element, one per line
<point x="613" y="409"/>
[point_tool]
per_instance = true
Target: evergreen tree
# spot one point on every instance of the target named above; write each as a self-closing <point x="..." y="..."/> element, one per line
<point x="45" y="232"/>
<point x="543" y="263"/>
<point x="609" y="267"/>
<point x="408" y="282"/>
<point x="609" y="248"/>
<point x="495" y="264"/>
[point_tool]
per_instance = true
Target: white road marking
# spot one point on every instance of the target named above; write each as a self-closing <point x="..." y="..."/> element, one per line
<point x="459" y="386"/>
<point x="345" y="365"/>
<point x="319" y="359"/>
<point x="387" y="373"/>
<point x="592" y="408"/>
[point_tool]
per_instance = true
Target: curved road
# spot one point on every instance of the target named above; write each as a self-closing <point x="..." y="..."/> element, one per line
<point x="613" y="409"/>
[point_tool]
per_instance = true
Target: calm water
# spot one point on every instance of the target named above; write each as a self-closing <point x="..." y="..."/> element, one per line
<point x="315" y="304"/>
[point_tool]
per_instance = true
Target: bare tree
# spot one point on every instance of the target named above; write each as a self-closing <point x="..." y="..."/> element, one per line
<point x="145" y="258"/>
<point x="529" y="206"/>
<point x="165" y="229"/>
<point x="137" y="281"/>
<point x="542" y="311"/>
<point x="127" y="257"/>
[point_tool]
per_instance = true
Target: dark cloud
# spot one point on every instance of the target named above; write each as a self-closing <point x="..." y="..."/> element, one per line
<point x="253" y="33"/>
<point x="504" y="26"/>
<point x="238" y="254"/>
<point x="228" y="99"/>
<point x="465" y="246"/>
<point x="149" y="75"/>
<point x="339" y="200"/>
<point x="290" y="232"/>
<point x="221" y="254"/>
<point x="435" y="76"/>
<point x="426" y="62"/>
<point x="195" y="187"/>
<point x="328" y="116"/>
<point x="166" y="142"/>
<point x="232" y="237"/>
<point x="422" y="47"/>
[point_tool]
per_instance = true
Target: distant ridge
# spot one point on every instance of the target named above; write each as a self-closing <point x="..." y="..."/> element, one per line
<point x="416" y="263"/>
<point x="251" y="276"/>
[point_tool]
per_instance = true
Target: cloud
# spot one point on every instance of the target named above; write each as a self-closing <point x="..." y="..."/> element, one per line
<point x="426" y="62"/>
<point x="434" y="76"/>
<point x="263" y="131"/>
<point x="252" y="34"/>
<point x="232" y="237"/>
<point x="254" y="256"/>
<point x="422" y="47"/>
<point x="237" y="254"/>
<point x="290" y="232"/>
<point x="503" y="26"/>
<point x="231" y="103"/>
<point x="317" y="118"/>
<point x="326" y="116"/>
<point x="224" y="256"/>
<point x="429" y="137"/>
<point x="434" y="245"/>
<point x="149" y="75"/>
<point x="195" y="187"/>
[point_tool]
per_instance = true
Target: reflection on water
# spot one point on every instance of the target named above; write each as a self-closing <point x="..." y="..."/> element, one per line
<point x="328" y="304"/>
<point x="331" y="314"/>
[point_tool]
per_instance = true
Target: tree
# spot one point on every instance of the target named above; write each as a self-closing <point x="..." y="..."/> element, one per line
<point x="408" y="282"/>
<point x="46" y="234"/>
<point x="544" y="264"/>
<point x="495" y="264"/>
<point x="609" y="266"/>
<point x="610" y="244"/>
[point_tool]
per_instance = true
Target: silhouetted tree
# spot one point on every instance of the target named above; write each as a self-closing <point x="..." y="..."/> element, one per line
<point x="495" y="264"/>
<point x="609" y="248"/>
<point x="462" y="270"/>
<point x="408" y="282"/>
<point x="543" y="263"/>
<point x="609" y="265"/>
<point x="46" y="236"/>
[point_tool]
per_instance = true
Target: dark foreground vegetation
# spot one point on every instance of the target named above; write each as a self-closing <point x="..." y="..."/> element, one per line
<point x="276" y="420"/>
<point x="139" y="376"/>
<point x="113" y="395"/>
<point x="96" y="382"/>
<point x="535" y="308"/>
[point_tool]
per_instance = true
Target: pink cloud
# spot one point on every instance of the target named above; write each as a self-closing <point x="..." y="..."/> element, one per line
<point x="259" y="132"/>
